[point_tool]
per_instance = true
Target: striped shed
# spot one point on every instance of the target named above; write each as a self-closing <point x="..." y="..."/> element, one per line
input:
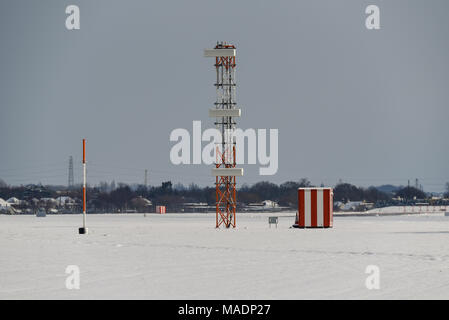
<point x="315" y="208"/>
<point x="160" y="209"/>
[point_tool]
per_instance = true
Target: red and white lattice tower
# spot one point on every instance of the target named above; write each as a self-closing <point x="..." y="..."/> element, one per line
<point x="225" y="112"/>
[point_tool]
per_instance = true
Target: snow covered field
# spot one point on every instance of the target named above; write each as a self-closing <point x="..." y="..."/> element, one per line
<point x="182" y="256"/>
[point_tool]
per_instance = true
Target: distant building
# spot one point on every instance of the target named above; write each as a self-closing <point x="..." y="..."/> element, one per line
<point x="196" y="207"/>
<point x="65" y="201"/>
<point x="356" y="206"/>
<point x="49" y="201"/>
<point x="4" y="204"/>
<point x="142" y="204"/>
<point x="6" y="208"/>
<point x="14" y="201"/>
<point x="266" y="205"/>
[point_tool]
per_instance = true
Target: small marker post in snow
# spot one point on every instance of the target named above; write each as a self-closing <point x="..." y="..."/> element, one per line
<point x="83" y="230"/>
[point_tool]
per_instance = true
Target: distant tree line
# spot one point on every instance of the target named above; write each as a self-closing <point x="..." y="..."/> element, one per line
<point x="117" y="198"/>
<point x="345" y="192"/>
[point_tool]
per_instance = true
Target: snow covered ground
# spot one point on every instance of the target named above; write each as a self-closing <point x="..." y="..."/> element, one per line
<point x="182" y="256"/>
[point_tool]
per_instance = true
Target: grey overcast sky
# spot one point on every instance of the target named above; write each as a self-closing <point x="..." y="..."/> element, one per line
<point x="368" y="107"/>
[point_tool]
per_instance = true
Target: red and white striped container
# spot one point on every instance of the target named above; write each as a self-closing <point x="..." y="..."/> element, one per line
<point x="315" y="208"/>
<point x="160" y="209"/>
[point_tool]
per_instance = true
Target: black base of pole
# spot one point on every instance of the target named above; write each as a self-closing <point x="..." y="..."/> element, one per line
<point x="82" y="230"/>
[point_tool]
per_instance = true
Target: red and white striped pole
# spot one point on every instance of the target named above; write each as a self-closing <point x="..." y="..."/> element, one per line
<point x="83" y="230"/>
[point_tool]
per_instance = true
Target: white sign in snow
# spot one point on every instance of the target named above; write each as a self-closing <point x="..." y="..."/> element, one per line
<point x="273" y="220"/>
